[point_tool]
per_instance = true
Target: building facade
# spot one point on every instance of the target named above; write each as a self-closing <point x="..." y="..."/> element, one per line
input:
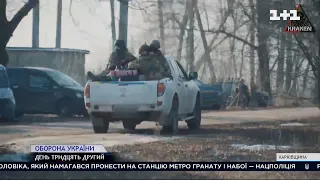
<point x="68" y="61"/>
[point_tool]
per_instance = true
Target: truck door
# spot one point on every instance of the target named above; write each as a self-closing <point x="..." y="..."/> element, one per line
<point x="180" y="84"/>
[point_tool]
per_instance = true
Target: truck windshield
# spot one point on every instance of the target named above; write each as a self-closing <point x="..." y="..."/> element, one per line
<point x="4" y="82"/>
<point x="63" y="80"/>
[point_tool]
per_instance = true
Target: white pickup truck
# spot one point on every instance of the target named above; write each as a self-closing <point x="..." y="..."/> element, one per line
<point x="166" y="101"/>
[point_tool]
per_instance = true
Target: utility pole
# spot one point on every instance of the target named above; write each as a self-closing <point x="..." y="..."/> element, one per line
<point x="113" y="23"/>
<point x="35" y="26"/>
<point x="58" y="27"/>
<point x="123" y="24"/>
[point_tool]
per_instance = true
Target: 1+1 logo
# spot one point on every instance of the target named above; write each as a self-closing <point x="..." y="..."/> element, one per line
<point x="298" y="20"/>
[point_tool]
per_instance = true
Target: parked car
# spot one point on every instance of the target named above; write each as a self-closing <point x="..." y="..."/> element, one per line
<point x="166" y="101"/>
<point x="263" y="98"/>
<point x="229" y="89"/>
<point x="40" y="90"/>
<point x="7" y="101"/>
<point x="211" y="95"/>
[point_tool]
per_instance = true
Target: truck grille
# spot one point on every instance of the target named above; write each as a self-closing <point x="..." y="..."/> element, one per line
<point x="3" y="103"/>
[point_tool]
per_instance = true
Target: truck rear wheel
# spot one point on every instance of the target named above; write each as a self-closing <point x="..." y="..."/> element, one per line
<point x="129" y="125"/>
<point x="173" y="118"/>
<point x="195" y="123"/>
<point x="100" y="125"/>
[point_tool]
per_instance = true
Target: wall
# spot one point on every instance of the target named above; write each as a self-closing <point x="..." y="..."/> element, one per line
<point x="70" y="62"/>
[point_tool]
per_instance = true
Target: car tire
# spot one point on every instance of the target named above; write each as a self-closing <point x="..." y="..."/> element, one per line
<point x="172" y="118"/>
<point x="129" y="125"/>
<point x="63" y="109"/>
<point x="195" y="123"/>
<point x="9" y="117"/>
<point x="217" y="107"/>
<point x="18" y="114"/>
<point x="86" y="114"/>
<point x="99" y="125"/>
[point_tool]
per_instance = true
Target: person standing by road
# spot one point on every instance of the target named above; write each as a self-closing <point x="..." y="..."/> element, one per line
<point x="244" y="94"/>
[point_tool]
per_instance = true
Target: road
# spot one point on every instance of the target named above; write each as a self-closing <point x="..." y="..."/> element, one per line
<point x="40" y="130"/>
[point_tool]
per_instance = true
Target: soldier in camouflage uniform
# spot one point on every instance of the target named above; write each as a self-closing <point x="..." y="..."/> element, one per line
<point x="154" y="50"/>
<point x="147" y="64"/>
<point x="118" y="59"/>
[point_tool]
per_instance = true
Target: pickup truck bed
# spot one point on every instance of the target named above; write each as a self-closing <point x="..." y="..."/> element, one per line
<point x="124" y="99"/>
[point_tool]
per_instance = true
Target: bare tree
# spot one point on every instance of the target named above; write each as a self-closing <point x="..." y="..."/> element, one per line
<point x="205" y="45"/>
<point x="161" y="25"/>
<point x="190" y="49"/>
<point x="182" y="27"/>
<point x="8" y="27"/>
<point x="263" y="37"/>
<point x="289" y="62"/>
<point x="252" y="31"/>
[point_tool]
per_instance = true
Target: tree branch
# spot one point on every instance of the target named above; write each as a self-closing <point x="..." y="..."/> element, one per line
<point x="306" y="53"/>
<point x="233" y="36"/>
<point x="26" y="8"/>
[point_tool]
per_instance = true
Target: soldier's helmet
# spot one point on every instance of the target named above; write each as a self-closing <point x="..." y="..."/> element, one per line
<point x="155" y="44"/>
<point x="144" y="49"/>
<point x="120" y="44"/>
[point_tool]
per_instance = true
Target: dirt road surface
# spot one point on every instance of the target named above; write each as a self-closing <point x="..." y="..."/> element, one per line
<point x="79" y="131"/>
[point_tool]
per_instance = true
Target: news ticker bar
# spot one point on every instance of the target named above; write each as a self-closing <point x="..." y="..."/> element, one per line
<point x="162" y="166"/>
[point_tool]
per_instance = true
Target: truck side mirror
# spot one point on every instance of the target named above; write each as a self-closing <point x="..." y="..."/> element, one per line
<point x="193" y="75"/>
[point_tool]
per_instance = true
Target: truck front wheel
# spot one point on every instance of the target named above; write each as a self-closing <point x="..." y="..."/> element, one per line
<point x="99" y="124"/>
<point x="195" y="123"/>
<point x="173" y="118"/>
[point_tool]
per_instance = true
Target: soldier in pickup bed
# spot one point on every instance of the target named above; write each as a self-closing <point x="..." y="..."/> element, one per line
<point x="147" y="64"/>
<point x="155" y="51"/>
<point x="118" y="59"/>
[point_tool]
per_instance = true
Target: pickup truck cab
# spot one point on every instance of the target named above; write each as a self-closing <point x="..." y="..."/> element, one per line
<point x="164" y="101"/>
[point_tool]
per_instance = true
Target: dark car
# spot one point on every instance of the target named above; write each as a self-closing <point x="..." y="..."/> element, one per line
<point x="229" y="91"/>
<point x="45" y="91"/>
<point x="7" y="101"/>
<point x="263" y="98"/>
<point x="211" y="95"/>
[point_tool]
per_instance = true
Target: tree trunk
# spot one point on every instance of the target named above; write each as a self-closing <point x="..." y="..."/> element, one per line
<point x="317" y="73"/>
<point x="182" y="31"/>
<point x="289" y="63"/>
<point x="263" y="51"/>
<point x="280" y="69"/>
<point x="305" y="80"/>
<point x="208" y="59"/>
<point x="295" y="75"/>
<point x="161" y="26"/>
<point x="232" y="41"/>
<point x="242" y="55"/>
<point x="191" y="36"/>
<point x="8" y="27"/>
<point x="252" y="30"/>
